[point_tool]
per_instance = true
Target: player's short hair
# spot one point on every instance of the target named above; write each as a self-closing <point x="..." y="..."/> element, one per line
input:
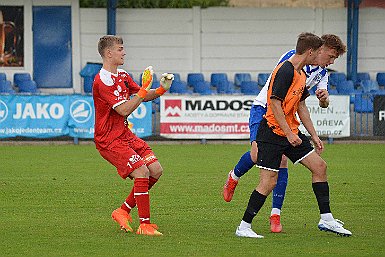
<point x="307" y="40"/>
<point x="107" y="42"/>
<point x="334" y="42"/>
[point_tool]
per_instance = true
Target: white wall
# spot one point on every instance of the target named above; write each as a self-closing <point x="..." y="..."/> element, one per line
<point x="221" y="39"/>
<point x="227" y="39"/>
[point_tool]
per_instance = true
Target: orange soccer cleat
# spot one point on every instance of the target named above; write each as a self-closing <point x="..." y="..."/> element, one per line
<point x="148" y="229"/>
<point x="229" y="188"/>
<point x="123" y="219"/>
<point x="275" y="223"/>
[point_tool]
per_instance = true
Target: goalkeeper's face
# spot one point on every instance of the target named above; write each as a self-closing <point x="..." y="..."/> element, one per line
<point x="117" y="54"/>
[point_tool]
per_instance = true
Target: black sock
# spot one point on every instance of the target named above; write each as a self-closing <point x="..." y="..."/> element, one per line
<point x="256" y="202"/>
<point x="321" y="191"/>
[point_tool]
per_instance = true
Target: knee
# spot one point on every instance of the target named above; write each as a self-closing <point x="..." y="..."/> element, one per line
<point x="156" y="170"/>
<point x="141" y="172"/>
<point x="321" y="171"/>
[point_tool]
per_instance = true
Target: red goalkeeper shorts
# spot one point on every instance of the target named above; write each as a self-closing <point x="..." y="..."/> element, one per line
<point x="127" y="153"/>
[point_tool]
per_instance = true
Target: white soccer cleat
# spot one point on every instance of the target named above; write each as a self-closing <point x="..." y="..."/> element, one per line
<point x="334" y="226"/>
<point x="247" y="232"/>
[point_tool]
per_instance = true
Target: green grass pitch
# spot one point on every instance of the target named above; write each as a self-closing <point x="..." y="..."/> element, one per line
<point x="56" y="200"/>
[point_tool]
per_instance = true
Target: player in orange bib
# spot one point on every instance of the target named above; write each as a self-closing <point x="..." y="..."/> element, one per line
<point x="278" y="134"/>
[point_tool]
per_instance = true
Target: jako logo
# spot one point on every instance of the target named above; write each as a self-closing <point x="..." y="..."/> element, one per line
<point x="3" y="111"/>
<point x="173" y="108"/>
<point x="81" y="111"/>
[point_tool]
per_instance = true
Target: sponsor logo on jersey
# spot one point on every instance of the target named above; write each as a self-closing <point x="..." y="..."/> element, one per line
<point x="133" y="159"/>
<point x="81" y="111"/>
<point x="116" y="92"/>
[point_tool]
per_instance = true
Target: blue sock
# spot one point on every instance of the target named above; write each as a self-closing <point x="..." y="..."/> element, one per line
<point x="280" y="189"/>
<point x="244" y="165"/>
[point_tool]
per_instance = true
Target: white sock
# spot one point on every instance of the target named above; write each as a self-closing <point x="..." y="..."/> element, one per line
<point x="244" y="225"/>
<point x="275" y="211"/>
<point x="233" y="175"/>
<point x="327" y="216"/>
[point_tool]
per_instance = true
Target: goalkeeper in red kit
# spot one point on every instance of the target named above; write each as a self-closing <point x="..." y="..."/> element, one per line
<point x="116" y="96"/>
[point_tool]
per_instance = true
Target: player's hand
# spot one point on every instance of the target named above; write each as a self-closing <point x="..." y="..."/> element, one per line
<point x="165" y="83"/>
<point x="322" y="94"/>
<point x="166" y="80"/>
<point x="318" y="145"/>
<point x="147" y="77"/>
<point x="294" y="139"/>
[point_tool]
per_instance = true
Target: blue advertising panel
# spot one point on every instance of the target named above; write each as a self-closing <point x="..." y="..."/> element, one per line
<point x="33" y="116"/>
<point x="140" y="121"/>
<point x="82" y="116"/>
<point x="45" y="116"/>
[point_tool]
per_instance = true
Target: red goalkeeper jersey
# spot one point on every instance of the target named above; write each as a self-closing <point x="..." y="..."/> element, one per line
<point x="109" y="91"/>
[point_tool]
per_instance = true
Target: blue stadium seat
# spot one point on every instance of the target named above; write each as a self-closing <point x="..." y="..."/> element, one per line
<point x="346" y="88"/>
<point x="194" y="78"/>
<point x="363" y="103"/>
<point x="333" y="91"/>
<point x="18" y="77"/>
<point x="6" y="87"/>
<point x="369" y="85"/>
<point x="336" y="77"/>
<point x="202" y="87"/>
<point x="217" y="77"/>
<point x="3" y="76"/>
<point x="262" y="78"/>
<point x="240" y="77"/>
<point x="250" y="88"/>
<point x="179" y="87"/>
<point x="176" y="77"/>
<point x="361" y="76"/>
<point x="28" y="86"/>
<point x="380" y="78"/>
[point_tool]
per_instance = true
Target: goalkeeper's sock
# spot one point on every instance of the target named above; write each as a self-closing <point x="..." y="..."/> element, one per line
<point x="256" y="202"/>
<point x="321" y="191"/>
<point x="142" y="199"/>
<point x="280" y="189"/>
<point x="244" y="165"/>
<point x="130" y="203"/>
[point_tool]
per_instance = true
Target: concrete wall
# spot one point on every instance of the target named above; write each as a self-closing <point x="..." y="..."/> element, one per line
<point x="227" y="39"/>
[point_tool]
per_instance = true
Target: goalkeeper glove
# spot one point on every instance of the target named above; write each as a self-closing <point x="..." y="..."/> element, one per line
<point x="165" y="83"/>
<point x="146" y="82"/>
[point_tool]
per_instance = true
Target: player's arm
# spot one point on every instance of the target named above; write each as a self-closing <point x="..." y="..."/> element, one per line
<point x="323" y="97"/>
<point x="304" y="115"/>
<point x="322" y="92"/>
<point x="127" y="107"/>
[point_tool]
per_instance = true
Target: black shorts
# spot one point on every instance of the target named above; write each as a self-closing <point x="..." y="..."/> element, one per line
<point x="271" y="147"/>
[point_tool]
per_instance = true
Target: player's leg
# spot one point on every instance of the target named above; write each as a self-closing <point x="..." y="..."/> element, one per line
<point x="279" y="192"/>
<point x="268" y="162"/>
<point x="248" y="159"/>
<point x="155" y="169"/>
<point x="142" y="199"/>
<point x="306" y="155"/>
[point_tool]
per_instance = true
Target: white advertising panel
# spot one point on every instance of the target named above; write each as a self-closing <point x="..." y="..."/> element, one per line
<point x="209" y="117"/>
<point x="333" y="121"/>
